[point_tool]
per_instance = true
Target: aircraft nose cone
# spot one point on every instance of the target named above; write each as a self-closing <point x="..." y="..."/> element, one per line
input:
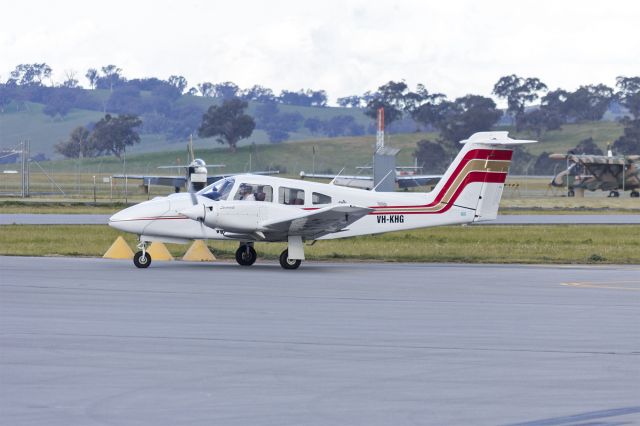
<point x="119" y="216"/>
<point x="196" y="212"/>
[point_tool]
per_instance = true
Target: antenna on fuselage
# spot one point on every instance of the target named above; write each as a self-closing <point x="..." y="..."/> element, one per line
<point x="336" y="177"/>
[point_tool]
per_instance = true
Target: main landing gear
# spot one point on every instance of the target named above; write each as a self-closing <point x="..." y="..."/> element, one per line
<point x="246" y="256"/>
<point x="287" y="263"/>
<point x="142" y="259"/>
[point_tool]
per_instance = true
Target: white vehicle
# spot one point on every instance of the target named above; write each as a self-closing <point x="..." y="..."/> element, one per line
<point x="297" y="211"/>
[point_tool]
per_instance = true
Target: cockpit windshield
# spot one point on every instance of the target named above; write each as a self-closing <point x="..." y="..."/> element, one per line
<point x="218" y="190"/>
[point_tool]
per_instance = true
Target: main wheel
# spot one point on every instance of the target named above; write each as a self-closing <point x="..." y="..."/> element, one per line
<point x="635" y="194"/>
<point x="571" y="193"/>
<point x="614" y="194"/>
<point x="287" y="263"/>
<point x="142" y="260"/>
<point x="246" y="255"/>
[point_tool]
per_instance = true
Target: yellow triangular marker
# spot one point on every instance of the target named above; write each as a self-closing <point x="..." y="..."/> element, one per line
<point x="119" y="250"/>
<point x="199" y="252"/>
<point x="159" y="251"/>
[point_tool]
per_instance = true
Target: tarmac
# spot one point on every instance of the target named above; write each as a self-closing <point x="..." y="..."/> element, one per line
<point x="92" y="341"/>
<point x="535" y="219"/>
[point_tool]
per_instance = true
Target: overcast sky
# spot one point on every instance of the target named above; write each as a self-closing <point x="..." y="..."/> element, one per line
<point x="344" y="47"/>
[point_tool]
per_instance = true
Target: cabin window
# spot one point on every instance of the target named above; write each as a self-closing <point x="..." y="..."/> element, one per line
<point x="291" y="196"/>
<point x="254" y="192"/>
<point x="318" y="198"/>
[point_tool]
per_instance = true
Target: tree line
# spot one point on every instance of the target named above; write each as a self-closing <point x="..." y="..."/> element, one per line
<point x="155" y="103"/>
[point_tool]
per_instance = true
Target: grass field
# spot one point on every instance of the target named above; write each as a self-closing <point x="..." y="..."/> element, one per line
<point x="474" y="244"/>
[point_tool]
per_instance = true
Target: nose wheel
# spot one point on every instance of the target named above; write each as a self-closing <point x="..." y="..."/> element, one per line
<point x="142" y="259"/>
<point x="246" y="255"/>
<point x="287" y="263"/>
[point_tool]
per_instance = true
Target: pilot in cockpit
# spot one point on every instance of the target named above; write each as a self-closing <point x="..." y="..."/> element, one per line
<point x="246" y="193"/>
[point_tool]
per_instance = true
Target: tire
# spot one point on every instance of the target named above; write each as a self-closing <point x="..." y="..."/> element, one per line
<point x="140" y="261"/>
<point x="571" y="193"/>
<point x="246" y="257"/>
<point x="287" y="263"/>
<point x="635" y="194"/>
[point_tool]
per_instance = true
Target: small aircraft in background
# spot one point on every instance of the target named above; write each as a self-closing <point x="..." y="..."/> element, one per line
<point x="599" y="172"/>
<point x="195" y="175"/>
<point x="252" y="208"/>
<point x="405" y="176"/>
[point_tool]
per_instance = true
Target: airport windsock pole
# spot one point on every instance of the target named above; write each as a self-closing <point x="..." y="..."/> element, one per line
<point x="380" y="132"/>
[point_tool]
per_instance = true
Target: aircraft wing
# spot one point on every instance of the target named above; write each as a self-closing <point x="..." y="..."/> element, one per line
<point x="174" y="181"/>
<point x="312" y="224"/>
<point x="410" y="181"/>
<point x="595" y="159"/>
<point x="180" y="181"/>
<point x="352" y="181"/>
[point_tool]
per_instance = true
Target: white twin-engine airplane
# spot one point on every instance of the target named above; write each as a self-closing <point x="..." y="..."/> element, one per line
<point x="255" y="208"/>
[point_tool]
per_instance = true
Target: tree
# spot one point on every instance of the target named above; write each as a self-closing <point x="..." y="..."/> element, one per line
<point x="431" y="156"/>
<point x="467" y="115"/>
<point x="629" y="94"/>
<point x="114" y="134"/>
<point x="228" y="122"/>
<point x="226" y="90"/>
<point x="78" y="144"/>
<point x="541" y="120"/>
<point x="92" y="76"/>
<point x="206" y="89"/>
<point x="259" y="94"/>
<point x="391" y="97"/>
<point x="587" y="146"/>
<point x="60" y="102"/>
<point x="354" y="101"/>
<point x="31" y="74"/>
<point x="588" y="103"/>
<point x="431" y="109"/>
<point x="111" y="77"/>
<point x="275" y="123"/>
<point x="70" y="81"/>
<point x="518" y="92"/>
<point x="304" y="98"/>
<point x="629" y="142"/>
<point x="179" y="82"/>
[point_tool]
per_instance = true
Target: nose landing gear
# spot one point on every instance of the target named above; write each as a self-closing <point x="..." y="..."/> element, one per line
<point x="142" y="259"/>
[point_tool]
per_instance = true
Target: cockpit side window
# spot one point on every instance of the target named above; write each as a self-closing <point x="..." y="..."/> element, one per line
<point x="218" y="190"/>
<point x="254" y="192"/>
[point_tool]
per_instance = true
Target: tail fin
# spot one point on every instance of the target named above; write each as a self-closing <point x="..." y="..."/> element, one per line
<point x="475" y="179"/>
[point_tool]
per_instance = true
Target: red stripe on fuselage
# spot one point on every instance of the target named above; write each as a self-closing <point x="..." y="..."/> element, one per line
<point x="476" y="154"/>
<point x="474" y="176"/>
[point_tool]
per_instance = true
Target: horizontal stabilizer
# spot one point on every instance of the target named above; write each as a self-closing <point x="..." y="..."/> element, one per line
<point x="495" y="138"/>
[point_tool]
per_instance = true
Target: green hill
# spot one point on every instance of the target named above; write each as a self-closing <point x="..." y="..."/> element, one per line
<point x="331" y="154"/>
<point x="27" y="121"/>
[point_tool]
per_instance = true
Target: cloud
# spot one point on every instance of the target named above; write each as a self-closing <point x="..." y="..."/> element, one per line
<point x="344" y="47"/>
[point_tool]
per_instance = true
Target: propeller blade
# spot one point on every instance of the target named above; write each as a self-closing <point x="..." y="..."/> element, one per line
<point x="197" y="212"/>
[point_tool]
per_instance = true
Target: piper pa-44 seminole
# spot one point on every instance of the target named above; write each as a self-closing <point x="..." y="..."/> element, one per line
<point x="254" y="208"/>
